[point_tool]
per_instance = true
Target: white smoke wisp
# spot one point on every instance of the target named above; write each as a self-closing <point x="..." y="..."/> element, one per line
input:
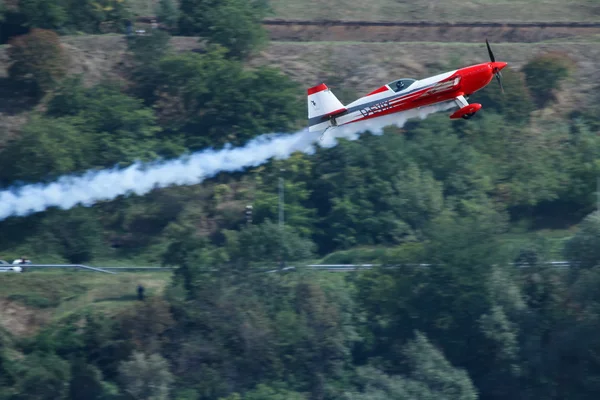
<point x="139" y="178"/>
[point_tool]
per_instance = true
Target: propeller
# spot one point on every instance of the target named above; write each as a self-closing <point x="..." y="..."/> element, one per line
<point x="497" y="72"/>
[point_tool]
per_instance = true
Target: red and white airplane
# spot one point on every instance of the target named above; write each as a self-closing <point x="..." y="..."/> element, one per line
<point x="326" y="111"/>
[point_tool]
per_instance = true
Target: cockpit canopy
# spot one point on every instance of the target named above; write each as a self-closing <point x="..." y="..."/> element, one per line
<point x="401" y="84"/>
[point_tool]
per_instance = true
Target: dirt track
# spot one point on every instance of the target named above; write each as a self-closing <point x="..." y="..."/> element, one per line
<point x="365" y="31"/>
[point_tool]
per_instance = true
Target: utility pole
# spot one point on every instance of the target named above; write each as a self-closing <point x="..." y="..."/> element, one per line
<point x="281" y="201"/>
<point x="598" y="193"/>
<point x="281" y="221"/>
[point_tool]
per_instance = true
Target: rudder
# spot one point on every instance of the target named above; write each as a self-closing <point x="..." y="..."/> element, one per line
<point x="322" y="105"/>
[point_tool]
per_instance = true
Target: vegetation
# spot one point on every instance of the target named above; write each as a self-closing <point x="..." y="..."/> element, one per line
<point x="487" y="318"/>
<point x="432" y="10"/>
<point x="37" y="59"/>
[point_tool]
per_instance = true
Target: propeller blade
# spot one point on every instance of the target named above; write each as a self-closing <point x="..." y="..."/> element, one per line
<point x="498" y="77"/>
<point x="492" y="58"/>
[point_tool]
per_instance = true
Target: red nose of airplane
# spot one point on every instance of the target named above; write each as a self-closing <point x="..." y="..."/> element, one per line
<point x="498" y="65"/>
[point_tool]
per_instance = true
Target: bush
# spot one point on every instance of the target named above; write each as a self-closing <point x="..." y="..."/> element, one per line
<point x="38" y="59"/>
<point x="212" y="20"/>
<point x="583" y="250"/>
<point x="544" y="74"/>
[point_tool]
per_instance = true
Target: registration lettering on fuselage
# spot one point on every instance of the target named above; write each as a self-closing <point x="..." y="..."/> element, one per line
<point x="376" y="108"/>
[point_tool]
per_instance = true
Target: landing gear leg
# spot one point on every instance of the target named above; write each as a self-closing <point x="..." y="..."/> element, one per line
<point x="461" y="101"/>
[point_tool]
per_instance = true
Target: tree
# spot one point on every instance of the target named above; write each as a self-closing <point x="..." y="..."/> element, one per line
<point x="212" y="19"/>
<point x="213" y="100"/>
<point x="516" y="103"/>
<point x="42" y="377"/>
<point x="76" y="232"/>
<point x="583" y="249"/>
<point x="146" y="53"/>
<point x="146" y="377"/>
<point x="428" y="376"/>
<point x="2" y="11"/>
<point x="267" y="243"/>
<point x="121" y="128"/>
<point x="168" y="13"/>
<point x="38" y="59"/>
<point x="86" y="381"/>
<point x="44" y="14"/>
<point x="544" y="75"/>
<point x="46" y="149"/>
<point x="265" y="392"/>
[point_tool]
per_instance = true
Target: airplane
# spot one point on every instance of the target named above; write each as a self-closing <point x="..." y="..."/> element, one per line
<point x="325" y="111"/>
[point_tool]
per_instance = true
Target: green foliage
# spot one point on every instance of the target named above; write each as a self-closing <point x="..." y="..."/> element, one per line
<point x="70" y="16"/>
<point x="77" y="234"/>
<point x="38" y="59"/>
<point x="167" y="13"/>
<point x="371" y="193"/>
<point x="146" y="377"/>
<point x="147" y="51"/>
<point x="264" y="392"/>
<point x="544" y="75"/>
<point x="584" y="248"/>
<point x="430" y="376"/>
<point x="294" y="175"/>
<point x="42" y="377"/>
<point x="212" y="100"/>
<point x="120" y="127"/>
<point x="212" y="19"/>
<point x="267" y="242"/>
<point x="46" y="149"/>
<point x="86" y="381"/>
<point x="44" y="14"/>
<point x="516" y="103"/>
<point x="468" y="324"/>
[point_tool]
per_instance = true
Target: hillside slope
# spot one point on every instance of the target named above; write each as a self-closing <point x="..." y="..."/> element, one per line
<point x="353" y="66"/>
<point x="436" y="10"/>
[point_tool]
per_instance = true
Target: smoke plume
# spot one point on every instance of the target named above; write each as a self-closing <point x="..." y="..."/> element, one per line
<point x="139" y="178"/>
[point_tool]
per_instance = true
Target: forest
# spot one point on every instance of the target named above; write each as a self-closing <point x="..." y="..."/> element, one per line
<point x="485" y="203"/>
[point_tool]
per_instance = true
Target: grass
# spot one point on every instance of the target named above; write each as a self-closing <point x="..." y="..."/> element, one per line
<point x="366" y="66"/>
<point x="59" y="293"/>
<point x="143" y="8"/>
<point x="435" y="10"/>
<point x="430" y="10"/>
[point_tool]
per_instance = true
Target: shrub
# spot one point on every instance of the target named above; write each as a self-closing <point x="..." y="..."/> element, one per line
<point x="544" y="74"/>
<point x="38" y="59"/>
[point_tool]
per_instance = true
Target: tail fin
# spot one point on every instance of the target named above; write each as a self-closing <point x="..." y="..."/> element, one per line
<point x="322" y="106"/>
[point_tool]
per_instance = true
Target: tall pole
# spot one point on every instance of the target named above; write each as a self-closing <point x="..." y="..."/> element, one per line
<point x="598" y="193"/>
<point x="281" y="221"/>
<point x="281" y="201"/>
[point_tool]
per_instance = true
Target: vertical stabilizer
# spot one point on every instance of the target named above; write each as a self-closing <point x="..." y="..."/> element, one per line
<point x="322" y="106"/>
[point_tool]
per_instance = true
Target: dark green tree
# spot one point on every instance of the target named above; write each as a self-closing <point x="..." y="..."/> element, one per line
<point x="544" y="75"/>
<point x="86" y="381"/>
<point x="77" y="233"/>
<point x="42" y="377"/>
<point x="516" y="103"/>
<point x="583" y="250"/>
<point x="168" y="13"/>
<point x="212" y="100"/>
<point x="146" y="53"/>
<point x="212" y="19"/>
<point x="267" y="243"/>
<point x="46" y="149"/>
<point x="38" y="59"/>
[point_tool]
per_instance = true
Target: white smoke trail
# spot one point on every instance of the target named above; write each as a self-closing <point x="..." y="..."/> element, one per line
<point x="93" y="186"/>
